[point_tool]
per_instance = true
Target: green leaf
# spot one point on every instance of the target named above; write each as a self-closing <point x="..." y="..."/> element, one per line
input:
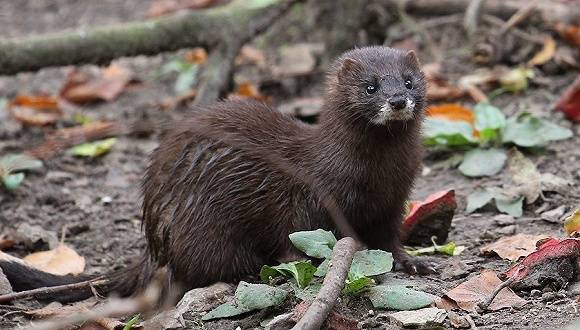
<point x="357" y="286"/>
<point x="93" y="149"/>
<point x="12" y="181"/>
<point x="308" y="293"/>
<point x="17" y="162"/>
<point x="129" y="325"/>
<point x="316" y="243"/>
<point x="483" y="162"/>
<point x="301" y="271"/>
<point x="450" y="249"/>
<point x="528" y="131"/>
<point x="248" y="297"/>
<point x="322" y="269"/>
<point x="478" y="199"/>
<point x="510" y="205"/>
<point x="370" y="263"/>
<point x="448" y="133"/>
<point x="398" y="297"/>
<point x="489" y="121"/>
<point x="185" y="80"/>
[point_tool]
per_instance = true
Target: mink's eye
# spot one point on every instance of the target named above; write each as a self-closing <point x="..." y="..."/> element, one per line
<point x="371" y="89"/>
<point x="408" y="84"/>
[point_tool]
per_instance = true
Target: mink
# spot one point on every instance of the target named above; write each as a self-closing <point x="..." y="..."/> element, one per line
<point x="219" y="201"/>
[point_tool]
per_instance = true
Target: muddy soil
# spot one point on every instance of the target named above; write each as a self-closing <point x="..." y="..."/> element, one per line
<point x="97" y="201"/>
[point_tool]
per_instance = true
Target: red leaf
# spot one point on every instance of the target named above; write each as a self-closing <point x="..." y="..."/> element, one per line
<point x="80" y="89"/>
<point x="569" y="102"/>
<point x="35" y="110"/>
<point x="428" y="218"/>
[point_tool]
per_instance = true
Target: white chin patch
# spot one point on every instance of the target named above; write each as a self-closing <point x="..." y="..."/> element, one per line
<point x="387" y="113"/>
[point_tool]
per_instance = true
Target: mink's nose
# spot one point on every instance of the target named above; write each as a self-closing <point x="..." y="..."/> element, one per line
<point x="398" y="102"/>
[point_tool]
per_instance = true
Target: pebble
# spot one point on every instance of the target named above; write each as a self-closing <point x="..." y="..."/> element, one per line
<point x="504" y="220"/>
<point x="548" y="296"/>
<point x="425" y="317"/>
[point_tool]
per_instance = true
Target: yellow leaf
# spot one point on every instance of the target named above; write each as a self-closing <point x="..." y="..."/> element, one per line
<point x="572" y="223"/>
<point x="546" y="54"/>
<point x="60" y="261"/>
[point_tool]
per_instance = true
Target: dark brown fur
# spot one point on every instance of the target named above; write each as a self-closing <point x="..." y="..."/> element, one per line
<point x="217" y="200"/>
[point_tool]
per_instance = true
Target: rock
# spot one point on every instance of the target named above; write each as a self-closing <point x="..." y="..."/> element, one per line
<point x="574" y="289"/>
<point x="421" y="318"/>
<point x="35" y="237"/>
<point x="5" y="287"/>
<point x="551" y="182"/>
<point x="458" y="321"/>
<point x="548" y="296"/>
<point x="504" y="220"/>
<point x="195" y="301"/>
<point x="506" y="231"/>
<point x="554" y="215"/>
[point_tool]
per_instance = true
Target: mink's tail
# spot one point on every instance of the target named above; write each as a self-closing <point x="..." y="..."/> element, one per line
<point x="124" y="282"/>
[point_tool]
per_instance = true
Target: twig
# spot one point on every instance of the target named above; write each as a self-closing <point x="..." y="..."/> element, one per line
<point x="515" y="31"/>
<point x="114" y="307"/>
<point x="51" y="290"/>
<point x="341" y="260"/>
<point x="485" y="304"/>
<point x="519" y="16"/>
<point x="472" y="17"/>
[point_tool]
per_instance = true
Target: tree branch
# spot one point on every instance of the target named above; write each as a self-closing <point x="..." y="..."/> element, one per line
<point x="331" y="287"/>
<point x="240" y="19"/>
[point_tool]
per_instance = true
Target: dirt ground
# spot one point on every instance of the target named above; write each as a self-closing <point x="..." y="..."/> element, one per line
<point x="98" y="201"/>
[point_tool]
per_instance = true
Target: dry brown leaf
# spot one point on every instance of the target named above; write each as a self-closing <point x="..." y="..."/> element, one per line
<point x="451" y="111"/>
<point x="546" y="53"/>
<point x="469" y="293"/>
<point x="249" y="90"/>
<point x="513" y="247"/>
<point x="569" y="32"/>
<point x="164" y="7"/>
<point x="196" y="55"/>
<point x="112" y="82"/>
<point x="438" y="86"/>
<point x="35" y="110"/>
<point x="59" y="261"/>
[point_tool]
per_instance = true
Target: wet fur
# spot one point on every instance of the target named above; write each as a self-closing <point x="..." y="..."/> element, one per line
<point x="216" y="207"/>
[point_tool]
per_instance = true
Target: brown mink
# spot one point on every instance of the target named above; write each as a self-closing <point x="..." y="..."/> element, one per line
<point x="216" y="208"/>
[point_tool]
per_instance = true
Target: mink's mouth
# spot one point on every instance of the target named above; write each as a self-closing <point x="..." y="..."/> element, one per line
<point x="388" y="113"/>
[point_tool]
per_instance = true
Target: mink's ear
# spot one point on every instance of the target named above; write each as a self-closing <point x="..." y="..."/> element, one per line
<point x="412" y="59"/>
<point x="348" y="67"/>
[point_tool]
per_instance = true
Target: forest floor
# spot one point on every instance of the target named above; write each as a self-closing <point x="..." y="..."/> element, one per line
<point x="97" y="200"/>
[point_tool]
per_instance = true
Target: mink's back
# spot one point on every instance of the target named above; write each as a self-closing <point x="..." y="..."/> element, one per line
<point x="214" y="211"/>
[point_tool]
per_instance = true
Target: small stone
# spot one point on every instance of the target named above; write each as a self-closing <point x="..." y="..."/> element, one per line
<point x="106" y="200"/>
<point x="548" y="296"/>
<point x="504" y="220"/>
<point x="506" y="231"/>
<point x="35" y="237"/>
<point x="458" y="321"/>
<point x="5" y="287"/>
<point x="421" y="318"/>
<point x="554" y="215"/>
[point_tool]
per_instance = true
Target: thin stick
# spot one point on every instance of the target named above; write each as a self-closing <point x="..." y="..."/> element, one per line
<point x="50" y="290"/>
<point x="333" y="282"/>
<point x="473" y="17"/>
<point x="521" y="15"/>
<point x="485" y="304"/>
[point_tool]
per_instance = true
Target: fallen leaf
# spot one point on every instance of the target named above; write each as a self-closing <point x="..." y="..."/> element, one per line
<point x="437" y="131"/>
<point x="569" y="32"/>
<point x="11" y="163"/>
<point x="368" y="263"/>
<point x="111" y="83"/>
<point x="438" y="86"/>
<point x="428" y="218"/>
<point x="316" y="243"/>
<point x="569" y="101"/>
<point x="483" y="162"/>
<point x="196" y="55"/>
<point x="60" y="261"/>
<point x="249" y="90"/>
<point x="248" y="297"/>
<point x="93" y="149"/>
<point x="478" y="199"/>
<point x="164" y="7"/>
<point x="301" y="271"/>
<point x="513" y="247"/>
<point x="398" y="297"/>
<point x="516" y="80"/>
<point x="572" y="223"/>
<point x="35" y="110"/>
<point x="452" y="111"/>
<point x="525" y="175"/>
<point x="553" y="262"/>
<point x="489" y="121"/>
<point x="526" y="130"/>
<point x="554" y="183"/>
<point x="469" y="293"/>
<point x="545" y="54"/>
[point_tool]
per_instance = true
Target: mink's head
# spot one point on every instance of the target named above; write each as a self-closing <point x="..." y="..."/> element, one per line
<point x="379" y="85"/>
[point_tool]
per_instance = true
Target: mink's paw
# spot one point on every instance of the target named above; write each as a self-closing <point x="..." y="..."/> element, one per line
<point x="414" y="265"/>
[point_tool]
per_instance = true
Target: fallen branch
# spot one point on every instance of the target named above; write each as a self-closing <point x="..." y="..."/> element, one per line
<point x="50" y="290"/>
<point x="239" y="21"/>
<point x="331" y="287"/>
